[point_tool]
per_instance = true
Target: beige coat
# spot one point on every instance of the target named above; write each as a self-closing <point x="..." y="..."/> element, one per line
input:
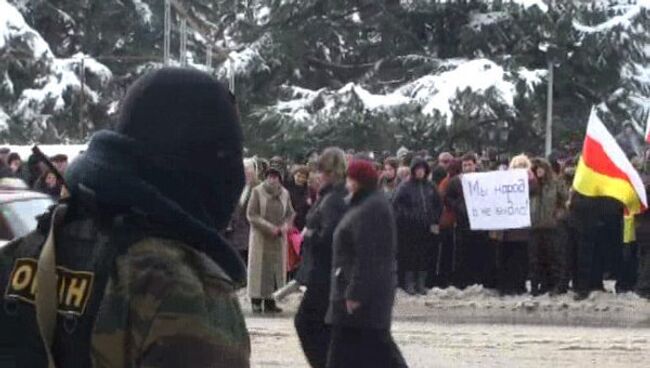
<point x="267" y="257"/>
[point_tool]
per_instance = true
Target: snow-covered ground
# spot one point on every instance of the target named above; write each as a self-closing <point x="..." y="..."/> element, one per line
<point x="477" y="328"/>
<point x="442" y="345"/>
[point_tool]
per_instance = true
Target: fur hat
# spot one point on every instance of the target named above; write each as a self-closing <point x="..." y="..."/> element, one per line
<point x="419" y="162"/>
<point x="364" y="172"/>
<point x="274" y="168"/>
<point x="402" y="152"/>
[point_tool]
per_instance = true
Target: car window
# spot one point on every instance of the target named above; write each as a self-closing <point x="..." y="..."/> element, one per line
<point x="20" y="216"/>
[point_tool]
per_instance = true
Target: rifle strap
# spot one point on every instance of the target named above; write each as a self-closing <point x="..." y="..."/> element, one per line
<point x="46" y="299"/>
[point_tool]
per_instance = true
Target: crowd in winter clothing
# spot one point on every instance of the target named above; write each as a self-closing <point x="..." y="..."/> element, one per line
<point x="574" y="242"/>
<point x="35" y="174"/>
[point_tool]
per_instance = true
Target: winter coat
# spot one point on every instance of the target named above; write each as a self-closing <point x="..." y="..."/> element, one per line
<point x="317" y="245"/>
<point x="239" y="230"/>
<point x="643" y="239"/>
<point x="364" y="267"/>
<point x="5" y="172"/>
<point x="267" y="253"/>
<point x="514" y="235"/>
<point x="301" y="202"/>
<point x="587" y="213"/>
<point x="185" y="305"/>
<point x="642" y="221"/>
<point x="417" y="206"/>
<point x="145" y="276"/>
<point x="547" y="202"/>
<point x="447" y="217"/>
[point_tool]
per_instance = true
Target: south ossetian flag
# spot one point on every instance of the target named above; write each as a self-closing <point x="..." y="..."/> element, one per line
<point x="605" y="171"/>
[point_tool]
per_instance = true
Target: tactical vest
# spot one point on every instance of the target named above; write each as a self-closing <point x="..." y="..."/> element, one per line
<point x="85" y="255"/>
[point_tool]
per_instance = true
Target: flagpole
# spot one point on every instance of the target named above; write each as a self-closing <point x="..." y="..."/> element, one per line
<point x="549" y="111"/>
<point x="549" y="99"/>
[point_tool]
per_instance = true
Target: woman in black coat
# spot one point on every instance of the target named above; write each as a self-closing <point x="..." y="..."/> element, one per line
<point x="417" y="207"/>
<point x="364" y="277"/>
<point x="316" y="267"/>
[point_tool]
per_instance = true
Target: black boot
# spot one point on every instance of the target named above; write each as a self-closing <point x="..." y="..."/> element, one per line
<point x="256" y="305"/>
<point x="421" y="287"/>
<point x="270" y="307"/>
<point x="559" y="290"/>
<point x="535" y="288"/>
<point x="581" y="295"/>
<point x="409" y="283"/>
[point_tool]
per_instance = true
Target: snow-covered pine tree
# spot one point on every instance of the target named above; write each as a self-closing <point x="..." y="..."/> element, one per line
<point x="366" y="74"/>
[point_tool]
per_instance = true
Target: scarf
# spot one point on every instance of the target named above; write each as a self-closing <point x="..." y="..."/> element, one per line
<point x="125" y="180"/>
<point x="274" y="190"/>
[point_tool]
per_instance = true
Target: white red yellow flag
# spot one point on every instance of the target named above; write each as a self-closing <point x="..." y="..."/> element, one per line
<point x="605" y="171"/>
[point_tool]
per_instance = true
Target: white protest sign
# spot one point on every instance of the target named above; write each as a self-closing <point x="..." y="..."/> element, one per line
<point x="497" y="200"/>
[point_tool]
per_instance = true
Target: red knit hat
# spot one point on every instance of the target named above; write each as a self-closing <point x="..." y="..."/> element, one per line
<point x="364" y="172"/>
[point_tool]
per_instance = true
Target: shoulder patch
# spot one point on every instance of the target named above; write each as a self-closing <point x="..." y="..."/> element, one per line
<point x="74" y="287"/>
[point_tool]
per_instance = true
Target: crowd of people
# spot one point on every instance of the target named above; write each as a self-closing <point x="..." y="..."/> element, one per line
<point x="574" y="242"/>
<point x="138" y="245"/>
<point x="34" y="173"/>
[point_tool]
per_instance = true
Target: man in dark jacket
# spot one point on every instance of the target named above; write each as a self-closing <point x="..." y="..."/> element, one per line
<point x="599" y="223"/>
<point x="471" y="256"/>
<point x="315" y="272"/>
<point x="364" y="277"/>
<point x="417" y="209"/>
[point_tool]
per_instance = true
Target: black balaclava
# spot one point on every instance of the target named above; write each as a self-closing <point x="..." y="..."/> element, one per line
<point x="175" y="157"/>
<point x="188" y="122"/>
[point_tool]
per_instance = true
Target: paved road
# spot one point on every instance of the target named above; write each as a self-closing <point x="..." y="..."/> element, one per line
<point x="431" y="344"/>
<point x="477" y="328"/>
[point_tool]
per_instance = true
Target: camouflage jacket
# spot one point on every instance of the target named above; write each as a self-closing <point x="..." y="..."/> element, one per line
<point x="156" y="303"/>
<point x="169" y="306"/>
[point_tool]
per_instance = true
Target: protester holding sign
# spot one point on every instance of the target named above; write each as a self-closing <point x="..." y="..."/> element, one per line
<point x="469" y="260"/>
<point x="512" y="255"/>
